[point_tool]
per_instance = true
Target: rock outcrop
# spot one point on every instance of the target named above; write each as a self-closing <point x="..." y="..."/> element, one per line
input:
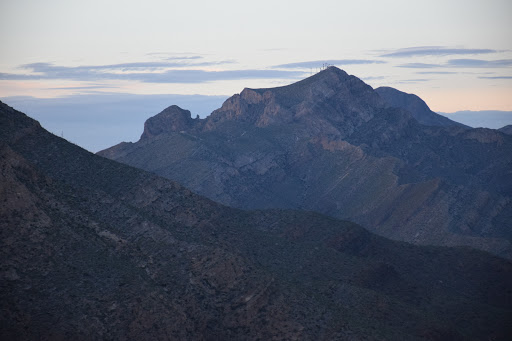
<point x="172" y="119"/>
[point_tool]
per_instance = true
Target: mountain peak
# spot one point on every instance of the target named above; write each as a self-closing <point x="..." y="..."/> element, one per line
<point x="172" y="118"/>
<point x="333" y="70"/>
<point x="329" y="102"/>
<point x="329" y="77"/>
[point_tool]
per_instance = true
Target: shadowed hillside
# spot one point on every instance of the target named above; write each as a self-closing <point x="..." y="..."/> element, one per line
<point x="93" y="249"/>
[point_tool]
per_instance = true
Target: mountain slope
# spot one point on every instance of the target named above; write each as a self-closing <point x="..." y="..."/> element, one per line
<point x="92" y="249"/>
<point x="416" y="106"/>
<point x="331" y="144"/>
<point x="506" y="129"/>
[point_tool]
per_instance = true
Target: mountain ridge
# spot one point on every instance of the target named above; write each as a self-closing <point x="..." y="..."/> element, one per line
<point x="332" y="144"/>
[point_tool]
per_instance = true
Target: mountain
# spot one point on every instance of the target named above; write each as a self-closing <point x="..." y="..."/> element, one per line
<point x="416" y="106"/>
<point x="93" y="249"/>
<point x="332" y="144"/>
<point x="506" y="129"/>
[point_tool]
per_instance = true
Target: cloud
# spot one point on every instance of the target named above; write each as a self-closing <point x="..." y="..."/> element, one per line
<point x="319" y="63"/>
<point x="51" y="68"/>
<point x="371" y="78"/>
<point x="84" y="87"/>
<point x="148" y="72"/>
<point x="495" y="77"/>
<point x="175" y="56"/>
<point x="462" y="63"/>
<point x="434" y="51"/>
<point x="419" y="65"/>
<point x="478" y="63"/>
<point x="414" y="80"/>
<point x="437" y="73"/>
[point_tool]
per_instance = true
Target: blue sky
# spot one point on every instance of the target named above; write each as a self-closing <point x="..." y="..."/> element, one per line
<point x="456" y="55"/>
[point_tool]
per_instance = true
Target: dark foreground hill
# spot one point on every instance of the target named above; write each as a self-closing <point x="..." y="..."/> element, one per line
<point x="332" y="144"/>
<point x="93" y="249"/>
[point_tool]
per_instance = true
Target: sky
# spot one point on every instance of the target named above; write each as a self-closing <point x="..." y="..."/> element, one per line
<point x="456" y="55"/>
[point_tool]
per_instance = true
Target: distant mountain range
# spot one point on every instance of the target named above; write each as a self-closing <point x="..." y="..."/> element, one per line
<point x="494" y="119"/>
<point x="93" y="249"/>
<point x="332" y="144"/>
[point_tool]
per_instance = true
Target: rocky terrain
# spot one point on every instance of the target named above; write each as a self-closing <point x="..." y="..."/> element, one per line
<point x="93" y="249"/>
<point x="332" y="144"/>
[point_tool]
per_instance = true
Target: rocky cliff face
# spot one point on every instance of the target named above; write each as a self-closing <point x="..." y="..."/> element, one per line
<point x="93" y="249"/>
<point x="331" y="144"/>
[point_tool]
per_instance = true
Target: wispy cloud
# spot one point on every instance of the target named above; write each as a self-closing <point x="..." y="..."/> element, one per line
<point x="87" y="87"/>
<point x="372" y="78"/>
<point x="414" y="80"/>
<point x="434" y="51"/>
<point x="495" y="77"/>
<point x="437" y="73"/>
<point x="319" y="63"/>
<point x="420" y="65"/>
<point x="462" y="63"/>
<point x="176" y="56"/>
<point x="51" y="68"/>
<point x="148" y="72"/>
<point x="478" y="63"/>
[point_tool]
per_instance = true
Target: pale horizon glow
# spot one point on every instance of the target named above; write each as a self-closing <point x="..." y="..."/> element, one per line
<point x="456" y="55"/>
<point x="431" y="48"/>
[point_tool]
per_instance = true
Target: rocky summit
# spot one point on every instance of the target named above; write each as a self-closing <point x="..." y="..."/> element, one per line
<point x="94" y="249"/>
<point x="332" y="144"/>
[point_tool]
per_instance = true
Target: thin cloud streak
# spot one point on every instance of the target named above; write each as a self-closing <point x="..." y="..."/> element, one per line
<point x="478" y="63"/>
<point x="462" y="63"/>
<point x="434" y="51"/>
<point x="42" y="71"/>
<point x="437" y="73"/>
<point x="51" y="68"/>
<point x="84" y="87"/>
<point x="495" y="77"/>
<point x="319" y="63"/>
<point x="419" y="65"/>
<point x="414" y="80"/>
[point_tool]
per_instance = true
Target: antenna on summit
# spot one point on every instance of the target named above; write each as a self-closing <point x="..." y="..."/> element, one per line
<point x="325" y="66"/>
